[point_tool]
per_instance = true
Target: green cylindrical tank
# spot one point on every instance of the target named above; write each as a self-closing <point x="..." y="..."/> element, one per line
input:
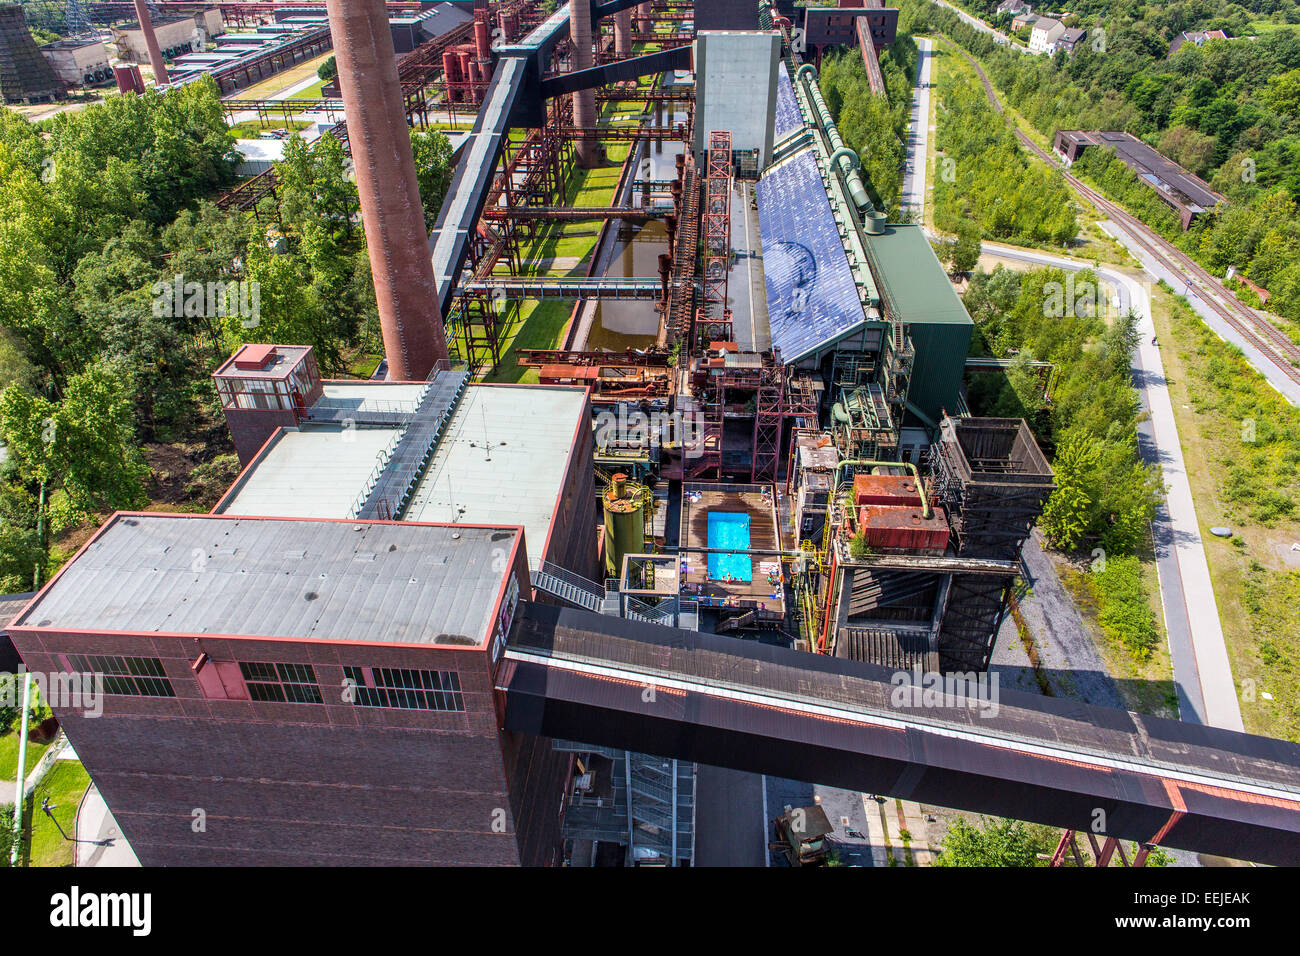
<point x="624" y="503"/>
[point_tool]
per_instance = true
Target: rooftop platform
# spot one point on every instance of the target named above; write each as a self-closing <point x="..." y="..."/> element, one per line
<point x="271" y="577"/>
<point x="754" y="501"/>
<point x="503" y="456"/>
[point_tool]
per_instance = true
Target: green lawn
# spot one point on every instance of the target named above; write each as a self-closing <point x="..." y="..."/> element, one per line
<point x="9" y="753"/>
<point x="64" y="786"/>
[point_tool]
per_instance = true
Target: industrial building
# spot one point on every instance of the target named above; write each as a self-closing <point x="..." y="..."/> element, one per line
<point x="177" y="35"/>
<point x="80" y="62"/>
<point x="1186" y="194"/>
<point x="441" y="621"/>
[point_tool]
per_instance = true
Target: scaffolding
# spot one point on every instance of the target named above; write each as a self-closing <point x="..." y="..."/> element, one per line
<point x="717" y="239"/>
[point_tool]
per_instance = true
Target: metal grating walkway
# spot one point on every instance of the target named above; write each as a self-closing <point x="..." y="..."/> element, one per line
<point x="391" y="488"/>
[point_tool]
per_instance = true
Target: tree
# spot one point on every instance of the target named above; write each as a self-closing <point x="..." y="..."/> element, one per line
<point x="329" y="69"/>
<point x="992" y="843"/>
<point x="966" y="250"/>
<point x="433" y="154"/>
<point x="76" y="457"/>
<point x="1068" y="514"/>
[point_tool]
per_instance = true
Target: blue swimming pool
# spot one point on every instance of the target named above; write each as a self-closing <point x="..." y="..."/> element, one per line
<point x="729" y="529"/>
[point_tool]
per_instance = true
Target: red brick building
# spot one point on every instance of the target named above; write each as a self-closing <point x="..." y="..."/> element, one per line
<point x="300" y="691"/>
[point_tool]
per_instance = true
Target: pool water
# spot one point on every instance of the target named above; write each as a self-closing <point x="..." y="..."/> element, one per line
<point x="729" y="529"/>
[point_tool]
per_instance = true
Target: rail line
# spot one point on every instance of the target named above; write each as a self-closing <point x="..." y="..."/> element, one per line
<point x="1274" y="344"/>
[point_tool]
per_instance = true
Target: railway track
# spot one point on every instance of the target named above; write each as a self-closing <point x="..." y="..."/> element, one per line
<point x="1271" y="341"/>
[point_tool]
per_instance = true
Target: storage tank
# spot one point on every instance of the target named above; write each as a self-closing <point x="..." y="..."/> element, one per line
<point x="624" y="503"/>
<point x="451" y="72"/>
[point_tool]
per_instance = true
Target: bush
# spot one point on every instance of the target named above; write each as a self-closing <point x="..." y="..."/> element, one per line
<point x="1123" y="606"/>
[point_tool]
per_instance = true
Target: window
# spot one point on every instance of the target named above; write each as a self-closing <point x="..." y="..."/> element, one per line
<point x="404" y="688"/>
<point x="127" y="676"/>
<point x="281" y="683"/>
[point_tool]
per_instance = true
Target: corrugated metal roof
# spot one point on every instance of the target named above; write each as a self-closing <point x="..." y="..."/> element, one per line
<point x="812" y="300"/>
<point x="268" y="577"/>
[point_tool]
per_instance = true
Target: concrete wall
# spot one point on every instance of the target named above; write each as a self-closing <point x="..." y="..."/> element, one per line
<point x="74" y="63"/>
<point x="736" y="76"/>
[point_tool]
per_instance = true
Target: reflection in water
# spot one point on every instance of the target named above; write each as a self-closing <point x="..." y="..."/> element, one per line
<point x="623" y="325"/>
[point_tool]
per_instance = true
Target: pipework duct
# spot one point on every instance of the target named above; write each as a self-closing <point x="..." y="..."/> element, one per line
<point x="844" y="159"/>
<point x="391" y="211"/>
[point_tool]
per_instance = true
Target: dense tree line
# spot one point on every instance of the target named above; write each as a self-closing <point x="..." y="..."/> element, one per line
<point x="984" y="179"/>
<point x="873" y="126"/>
<point x="1228" y="110"/>
<point x="122" y="287"/>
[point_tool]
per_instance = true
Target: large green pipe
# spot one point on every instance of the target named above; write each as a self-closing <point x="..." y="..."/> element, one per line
<point x="926" y="510"/>
<point x="844" y="158"/>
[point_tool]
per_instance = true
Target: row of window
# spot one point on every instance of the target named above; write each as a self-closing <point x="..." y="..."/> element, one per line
<point x="395" y="687"/>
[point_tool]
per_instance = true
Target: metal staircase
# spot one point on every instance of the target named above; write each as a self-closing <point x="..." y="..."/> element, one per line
<point x="569" y="587"/>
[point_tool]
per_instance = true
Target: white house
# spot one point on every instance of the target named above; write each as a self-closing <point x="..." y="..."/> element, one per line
<point x="1045" y="32"/>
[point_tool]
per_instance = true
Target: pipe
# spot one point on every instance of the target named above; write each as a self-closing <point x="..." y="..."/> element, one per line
<point x="843" y="158"/>
<point x="20" y="794"/>
<point x="927" y="511"/>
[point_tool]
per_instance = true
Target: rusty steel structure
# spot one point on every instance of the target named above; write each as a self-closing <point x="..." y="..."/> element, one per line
<point x="414" y="338"/>
<point x="714" y="316"/>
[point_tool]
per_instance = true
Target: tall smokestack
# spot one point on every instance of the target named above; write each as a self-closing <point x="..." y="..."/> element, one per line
<point x="644" y="13"/>
<point x="623" y="32"/>
<point x="414" y="338"/>
<point x="151" y="43"/>
<point x="584" y="101"/>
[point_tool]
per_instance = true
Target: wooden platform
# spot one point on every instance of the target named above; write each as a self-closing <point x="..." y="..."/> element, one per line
<point x="698" y="500"/>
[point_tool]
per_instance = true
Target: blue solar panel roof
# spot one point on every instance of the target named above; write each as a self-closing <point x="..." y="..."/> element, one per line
<point x="788" y="117"/>
<point x="811" y="297"/>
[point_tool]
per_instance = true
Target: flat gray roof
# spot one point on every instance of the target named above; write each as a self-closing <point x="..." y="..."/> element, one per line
<point x="270" y="577"/>
<point x="503" y="458"/>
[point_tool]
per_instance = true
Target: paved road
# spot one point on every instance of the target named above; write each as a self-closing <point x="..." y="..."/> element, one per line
<point x="916" y="165"/>
<point x="983" y="27"/>
<point x="729" y="820"/>
<point x="1202" y="672"/>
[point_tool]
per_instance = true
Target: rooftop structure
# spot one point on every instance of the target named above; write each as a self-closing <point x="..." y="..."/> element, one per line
<point x="437" y="451"/>
<point x="1187" y="194"/>
<point x="812" y="298"/>
<point x="920" y="296"/>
